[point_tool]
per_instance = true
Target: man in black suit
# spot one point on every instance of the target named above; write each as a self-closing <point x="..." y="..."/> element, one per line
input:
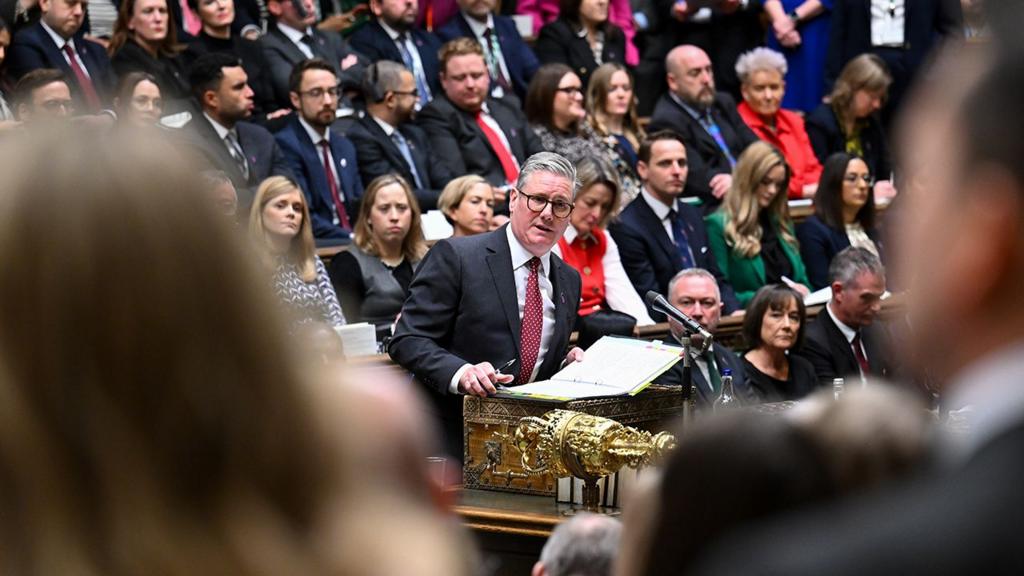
<point x="510" y="62"/>
<point x="387" y="141"/>
<point x="714" y="133"/>
<point x="657" y="234"/>
<point x="963" y="255"/>
<point x="391" y="36"/>
<point x="54" y="42"/>
<point x="695" y="292"/>
<point x="471" y="132"/>
<point x="843" y="342"/>
<point x="294" y="38"/>
<point x="479" y="301"/>
<point x="246" y="152"/>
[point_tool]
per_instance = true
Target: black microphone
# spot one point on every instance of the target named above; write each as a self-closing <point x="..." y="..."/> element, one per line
<point x="692" y="327"/>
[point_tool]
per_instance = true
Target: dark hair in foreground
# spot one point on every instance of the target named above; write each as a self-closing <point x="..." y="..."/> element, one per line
<point x="771" y="297"/>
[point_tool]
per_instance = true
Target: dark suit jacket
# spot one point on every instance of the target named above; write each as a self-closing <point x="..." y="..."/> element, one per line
<point x="263" y="153"/>
<point x="519" y="58"/>
<point x="650" y="257"/>
<point x="703" y="155"/>
<point x="462" y="308"/>
<point x="832" y="356"/>
<point x="819" y="244"/>
<point x="827" y="139"/>
<point x="32" y="48"/>
<point x="282" y="55"/>
<point x="373" y="42"/>
<point x="305" y="161"/>
<point x="456" y="140"/>
<point x="560" y="42"/>
<point x="725" y="358"/>
<point x="170" y="74"/>
<point x="378" y="155"/>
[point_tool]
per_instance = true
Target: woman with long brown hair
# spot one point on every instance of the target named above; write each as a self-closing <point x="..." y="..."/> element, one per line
<point x="611" y="111"/>
<point x="145" y="40"/>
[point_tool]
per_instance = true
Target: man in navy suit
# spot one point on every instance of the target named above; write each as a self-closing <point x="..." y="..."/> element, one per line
<point x="246" y="152"/>
<point x="294" y="38"/>
<point x="323" y="161"/>
<point x="54" y="42"/>
<point x="387" y="141"/>
<point x="391" y="36"/>
<point x="713" y="131"/>
<point x="479" y="301"/>
<point x="695" y="292"/>
<point x="510" y="62"/>
<point x="657" y="234"/>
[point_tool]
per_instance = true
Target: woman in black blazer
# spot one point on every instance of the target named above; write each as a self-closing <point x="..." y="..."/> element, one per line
<point x="844" y="215"/>
<point x="582" y="38"/>
<point x="145" y="40"/>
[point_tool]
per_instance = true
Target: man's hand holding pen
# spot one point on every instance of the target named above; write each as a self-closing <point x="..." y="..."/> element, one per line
<point x="481" y="379"/>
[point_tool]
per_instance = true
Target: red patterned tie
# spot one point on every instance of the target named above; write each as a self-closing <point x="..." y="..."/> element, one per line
<point x="508" y="164"/>
<point x="88" y="90"/>
<point x="865" y="367"/>
<point x="339" y="206"/>
<point x="533" y="322"/>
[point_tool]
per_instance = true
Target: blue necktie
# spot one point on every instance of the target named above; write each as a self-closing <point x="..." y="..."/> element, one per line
<point x="680" y="240"/>
<point x="716" y="133"/>
<point x="403" y="147"/>
<point x="418" y="74"/>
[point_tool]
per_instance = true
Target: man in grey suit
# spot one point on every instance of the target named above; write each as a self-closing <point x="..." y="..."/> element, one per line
<point x="483" y="301"/>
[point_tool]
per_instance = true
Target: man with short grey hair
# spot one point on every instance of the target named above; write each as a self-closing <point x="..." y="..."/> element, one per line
<point x="584" y="545"/>
<point x="495" y="308"/>
<point x="842" y="342"/>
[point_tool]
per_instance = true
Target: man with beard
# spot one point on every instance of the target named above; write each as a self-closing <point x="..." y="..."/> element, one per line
<point x="714" y="133"/>
<point x="387" y="141"/>
<point x="391" y="36"/>
<point x="324" y="161"/>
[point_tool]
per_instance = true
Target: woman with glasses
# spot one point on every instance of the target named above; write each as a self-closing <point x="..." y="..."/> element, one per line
<point x="138" y="102"/>
<point x="751" y="234"/>
<point x="844" y="215"/>
<point x="554" y="108"/>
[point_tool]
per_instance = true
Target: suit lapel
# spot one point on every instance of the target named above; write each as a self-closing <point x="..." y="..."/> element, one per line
<point x="703" y="138"/>
<point x="341" y="167"/>
<point x="836" y="341"/>
<point x="392" y="151"/>
<point x="649" y="221"/>
<point x="499" y="263"/>
<point x="290" y="49"/>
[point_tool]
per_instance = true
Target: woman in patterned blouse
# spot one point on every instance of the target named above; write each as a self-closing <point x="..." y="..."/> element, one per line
<point x="554" y="107"/>
<point x="280" y="227"/>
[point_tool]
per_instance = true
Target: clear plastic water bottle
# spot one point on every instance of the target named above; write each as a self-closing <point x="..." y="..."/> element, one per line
<point x="727" y="399"/>
<point x="838" y="386"/>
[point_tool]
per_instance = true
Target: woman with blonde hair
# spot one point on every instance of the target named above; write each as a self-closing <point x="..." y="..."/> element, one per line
<point x="751" y="234"/>
<point x="611" y="111"/>
<point x="467" y="202"/>
<point x="372" y="277"/>
<point x="282" y="232"/>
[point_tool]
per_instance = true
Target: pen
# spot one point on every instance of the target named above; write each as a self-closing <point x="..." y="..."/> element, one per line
<point x="505" y="366"/>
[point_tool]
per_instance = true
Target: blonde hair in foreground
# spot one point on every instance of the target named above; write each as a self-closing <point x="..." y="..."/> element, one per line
<point x="154" y="417"/>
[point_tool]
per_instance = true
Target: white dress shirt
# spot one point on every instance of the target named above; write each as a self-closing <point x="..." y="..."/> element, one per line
<point x="618" y="290"/>
<point x="296" y="37"/>
<point x="849" y="334"/>
<point x="494" y="126"/>
<point x="887" y="21"/>
<point x="479" y="28"/>
<point x="520" y="256"/>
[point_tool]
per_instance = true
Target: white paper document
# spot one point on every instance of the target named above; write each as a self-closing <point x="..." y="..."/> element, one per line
<point x="613" y="366"/>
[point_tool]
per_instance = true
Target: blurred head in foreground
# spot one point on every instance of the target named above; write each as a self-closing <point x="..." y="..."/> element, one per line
<point x="154" y="417"/>
<point x="584" y="545"/>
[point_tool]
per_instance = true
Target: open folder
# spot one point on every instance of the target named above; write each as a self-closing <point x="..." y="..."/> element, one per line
<point x="613" y="366"/>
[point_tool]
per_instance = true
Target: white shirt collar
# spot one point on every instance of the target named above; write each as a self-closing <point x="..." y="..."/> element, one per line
<point x="394" y="34"/>
<point x="477" y="26"/>
<point x="387" y="128"/>
<point x="218" y="127"/>
<point x="292" y="34"/>
<point x="848" y="332"/>
<point x="57" y="38"/>
<point x="313" y="134"/>
<point x="659" y="207"/>
<point x="520" y="256"/>
<point x="570" y="233"/>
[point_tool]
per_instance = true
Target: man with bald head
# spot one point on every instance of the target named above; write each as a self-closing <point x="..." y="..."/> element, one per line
<point x="707" y="120"/>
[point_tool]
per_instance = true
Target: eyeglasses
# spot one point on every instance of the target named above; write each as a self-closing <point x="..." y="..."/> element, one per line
<point x="318" y="93"/>
<point x="413" y="92"/>
<point x="570" y="90"/>
<point x="54" y="105"/>
<point x="852" y="178"/>
<point x="538" y="203"/>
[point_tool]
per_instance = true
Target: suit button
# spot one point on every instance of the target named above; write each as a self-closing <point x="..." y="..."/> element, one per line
<point x="586" y="270"/>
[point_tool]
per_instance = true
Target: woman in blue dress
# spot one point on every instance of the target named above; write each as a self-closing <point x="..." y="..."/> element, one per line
<point x="800" y="30"/>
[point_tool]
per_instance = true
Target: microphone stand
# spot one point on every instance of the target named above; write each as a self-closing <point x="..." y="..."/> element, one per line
<point x="686" y="389"/>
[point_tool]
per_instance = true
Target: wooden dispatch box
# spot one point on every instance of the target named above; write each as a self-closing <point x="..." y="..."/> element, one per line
<point x="492" y="464"/>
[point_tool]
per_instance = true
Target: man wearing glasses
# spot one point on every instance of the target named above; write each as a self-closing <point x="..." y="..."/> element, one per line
<point x="387" y="141"/>
<point x="500" y="299"/>
<point x="323" y="161"/>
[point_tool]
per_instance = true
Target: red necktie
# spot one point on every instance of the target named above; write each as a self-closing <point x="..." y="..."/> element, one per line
<point x="508" y="164"/>
<point x="88" y="90"/>
<point x="533" y="322"/>
<point x="865" y="368"/>
<point x="333" y="185"/>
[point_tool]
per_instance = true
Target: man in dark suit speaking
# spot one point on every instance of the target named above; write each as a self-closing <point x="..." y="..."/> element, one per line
<point x="482" y="301"/>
